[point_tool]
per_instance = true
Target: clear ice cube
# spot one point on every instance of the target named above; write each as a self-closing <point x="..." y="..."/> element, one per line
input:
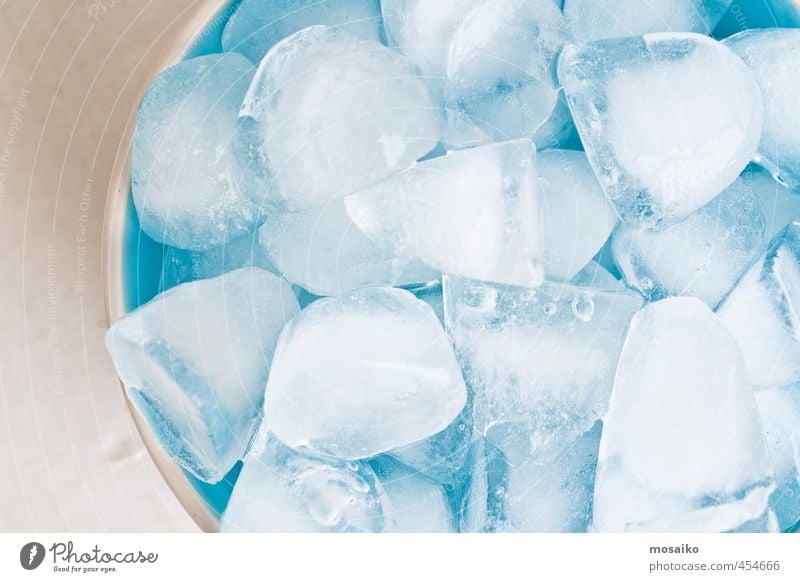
<point x="188" y="189"/>
<point x="762" y="313"/>
<point x="182" y="266"/>
<point x="772" y="55"/>
<point x="500" y="67"/>
<point x="539" y="362"/>
<point x="424" y="30"/>
<point x="781" y="205"/>
<point x="779" y="410"/>
<point x="668" y="120"/>
<point x="577" y="217"/>
<point x="472" y="212"/>
<point x="417" y="505"/>
<point x="682" y="449"/>
<point x="195" y="362"/>
<point x="257" y="26"/>
<point x="328" y="113"/>
<point x="602" y="19"/>
<point x="361" y="374"/>
<point x="442" y="456"/>
<point x="554" y="496"/>
<point x="282" y="491"/>
<point x="324" y="252"/>
<point x="703" y="256"/>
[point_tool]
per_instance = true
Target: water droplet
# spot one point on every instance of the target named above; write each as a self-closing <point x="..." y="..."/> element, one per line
<point x="550" y="308"/>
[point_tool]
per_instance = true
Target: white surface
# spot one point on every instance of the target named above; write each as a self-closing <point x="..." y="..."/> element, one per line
<point x="70" y="455"/>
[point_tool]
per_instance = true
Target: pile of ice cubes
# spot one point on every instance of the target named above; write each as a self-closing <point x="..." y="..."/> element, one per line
<point x="477" y="266"/>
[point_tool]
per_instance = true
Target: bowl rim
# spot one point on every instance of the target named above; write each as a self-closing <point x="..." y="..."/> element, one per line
<point x="118" y="206"/>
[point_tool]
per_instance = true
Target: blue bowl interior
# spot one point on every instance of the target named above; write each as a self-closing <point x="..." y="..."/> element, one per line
<point x="143" y="257"/>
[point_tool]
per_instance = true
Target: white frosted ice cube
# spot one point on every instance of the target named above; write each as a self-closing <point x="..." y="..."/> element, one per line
<point x="577" y="217"/>
<point x="363" y="373"/>
<point x="195" y="362"/>
<point x="600" y="19"/>
<point x="473" y="213"/>
<point x="328" y="113"/>
<point x="282" y="491"/>
<point x="324" y="252"/>
<point x="772" y="55"/>
<point x="762" y="313"/>
<point x="539" y="362"/>
<point x="667" y="120"/>
<point x="187" y="186"/>
<point x="682" y="448"/>
<point x="257" y="25"/>
<point x="703" y="256"/>
<point x="417" y="505"/>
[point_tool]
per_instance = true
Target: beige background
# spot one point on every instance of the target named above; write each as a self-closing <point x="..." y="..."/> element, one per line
<point x="70" y="459"/>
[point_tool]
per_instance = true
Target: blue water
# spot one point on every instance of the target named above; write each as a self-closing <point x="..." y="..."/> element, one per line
<point x="143" y="257"/>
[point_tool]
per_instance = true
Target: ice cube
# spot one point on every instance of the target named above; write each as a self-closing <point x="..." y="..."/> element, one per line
<point x="283" y="491"/>
<point x="324" y="252"/>
<point x="597" y="276"/>
<point x="500" y="66"/>
<point x="424" y="30"/>
<point x="443" y="455"/>
<point x="779" y="410"/>
<point x="668" y="120"/>
<point x="761" y="313"/>
<point x="361" y="374"/>
<point x="780" y="204"/>
<point x="539" y="362"/>
<point x="257" y="26"/>
<point x="482" y="507"/>
<point x="195" y="362"/>
<point x="328" y="113"/>
<point x="187" y="187"/>
<point x="772" y="55"/>
<point x="418" y="505"/>
<point x="703" y="256"/>
<point x="578" y="218"/>
<point x="548" y="497"/>
<point x="473" y="213"/>
<point x="682" y="449"/>
<point x="181" y="266"/>
<point x="601" y="19"/>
